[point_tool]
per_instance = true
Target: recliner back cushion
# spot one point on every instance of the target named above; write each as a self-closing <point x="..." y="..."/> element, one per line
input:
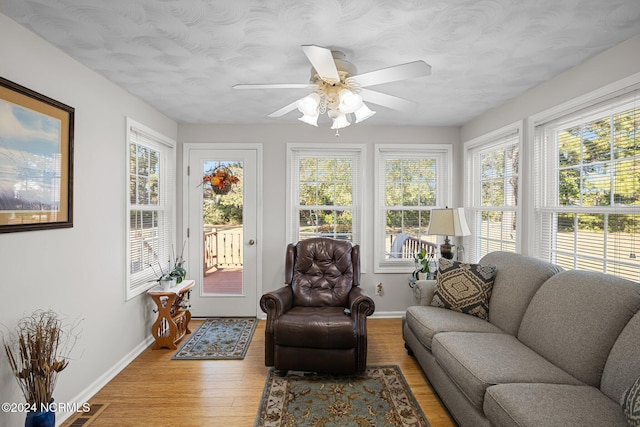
<point x="323" y="273"/>
<point x="517" y="279"/>
<point x="576" y="317"/>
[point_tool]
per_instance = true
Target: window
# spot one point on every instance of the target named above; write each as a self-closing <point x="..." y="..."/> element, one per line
<point x="410" y="181"/>
<point x="325" y="192"/>
<point x="588" y="187"/>
<point x="150" y="206"/>
<point x="492" y="193"/>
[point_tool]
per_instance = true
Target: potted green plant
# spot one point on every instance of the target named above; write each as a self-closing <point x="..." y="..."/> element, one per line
<point x="37" y="352"/>
<point x="423" y="266"/>
<point x="178" y="271"/>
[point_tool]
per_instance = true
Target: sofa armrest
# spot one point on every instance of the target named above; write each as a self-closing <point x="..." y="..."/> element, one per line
<point x="424" y="290"/>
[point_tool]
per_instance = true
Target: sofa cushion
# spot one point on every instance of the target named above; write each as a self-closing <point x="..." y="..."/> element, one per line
<point x="426" y="321"/>
<point x="476" y="361"/>
<point x="576" y="317"/>
<point x="464" y="287"/>
<point x="550" y="405"/>
<point x="517" y="279"/>
<point x="623" y="363"/>
<point x="631" y="403"/>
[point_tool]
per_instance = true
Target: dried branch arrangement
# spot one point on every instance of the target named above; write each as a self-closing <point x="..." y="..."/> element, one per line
<point x="38" y="352"/>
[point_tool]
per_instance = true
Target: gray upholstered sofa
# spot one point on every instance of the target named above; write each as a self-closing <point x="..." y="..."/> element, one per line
<point x="559" y="349"/>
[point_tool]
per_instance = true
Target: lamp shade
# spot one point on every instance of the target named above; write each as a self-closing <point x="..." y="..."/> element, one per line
<point x="363" y="113"/>
<point x="309" y="104"/>
<point x="349" y="102"/>
<point x="340" y="122"/>
<point x="448" y="222"/>
<point x="310" y="119"/>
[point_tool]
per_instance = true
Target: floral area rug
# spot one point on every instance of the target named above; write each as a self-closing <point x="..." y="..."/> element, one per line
<point x="378" y="397"/>
<point x="219" y="338"/>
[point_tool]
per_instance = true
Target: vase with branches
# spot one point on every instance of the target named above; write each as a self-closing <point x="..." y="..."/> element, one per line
<point x="37" y="352"/>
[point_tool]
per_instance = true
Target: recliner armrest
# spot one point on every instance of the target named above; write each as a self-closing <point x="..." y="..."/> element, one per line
<point x="277" y="302"/>
<point x="360" y="303"/>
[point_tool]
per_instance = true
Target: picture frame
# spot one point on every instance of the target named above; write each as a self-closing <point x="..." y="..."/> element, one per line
<point x="36" y="160"/>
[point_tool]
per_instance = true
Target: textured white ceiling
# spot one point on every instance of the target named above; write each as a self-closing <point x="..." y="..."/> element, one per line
<point x="183" y="56"/>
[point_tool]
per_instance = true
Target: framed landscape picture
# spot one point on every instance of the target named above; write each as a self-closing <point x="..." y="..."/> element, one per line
<point x="36" y="160"/>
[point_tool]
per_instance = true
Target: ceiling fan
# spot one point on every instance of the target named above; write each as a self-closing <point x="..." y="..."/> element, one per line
<point x="340" y="92"/>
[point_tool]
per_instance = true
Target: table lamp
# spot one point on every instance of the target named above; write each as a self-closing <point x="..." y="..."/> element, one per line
<point x="448" y="222"/>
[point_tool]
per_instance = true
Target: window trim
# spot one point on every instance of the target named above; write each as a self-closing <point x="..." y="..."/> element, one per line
<point x="443" y="196"/>
<point x="489" y="141"/>
<point x="328" y="150"/>
<point x="167" y="147"/>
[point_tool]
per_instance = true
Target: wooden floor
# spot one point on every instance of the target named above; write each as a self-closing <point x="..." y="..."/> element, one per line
<point x="157" y="391"/>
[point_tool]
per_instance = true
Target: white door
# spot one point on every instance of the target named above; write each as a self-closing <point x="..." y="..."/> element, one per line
<point x="222" y="228"/>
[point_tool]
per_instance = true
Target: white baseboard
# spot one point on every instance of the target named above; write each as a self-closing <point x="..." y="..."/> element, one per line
<point x="92" y="389"/>
<point x="387" y="315"/>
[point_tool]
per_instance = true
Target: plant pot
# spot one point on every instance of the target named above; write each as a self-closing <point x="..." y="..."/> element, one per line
<point x="40" y="419"/>
<point x="167" y="283"/>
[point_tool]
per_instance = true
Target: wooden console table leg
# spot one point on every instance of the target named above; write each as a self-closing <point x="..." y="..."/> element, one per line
<point x="187" y="315"/>
<point x="164" y="329"/>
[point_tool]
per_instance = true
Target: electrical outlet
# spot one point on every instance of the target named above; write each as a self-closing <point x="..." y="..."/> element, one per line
<point x="379" y="289"/>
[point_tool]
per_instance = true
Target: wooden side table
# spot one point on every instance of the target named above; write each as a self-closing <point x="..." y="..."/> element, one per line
<point x="173" y="314"/>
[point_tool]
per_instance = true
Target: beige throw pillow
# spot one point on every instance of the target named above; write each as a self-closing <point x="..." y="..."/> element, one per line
<point x="464" y="287"/>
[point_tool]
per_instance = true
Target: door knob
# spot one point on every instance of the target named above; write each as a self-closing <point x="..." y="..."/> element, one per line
<point x="252" y="242"/>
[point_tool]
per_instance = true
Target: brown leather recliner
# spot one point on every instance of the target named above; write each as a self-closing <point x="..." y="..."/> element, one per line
<point x="317" y="322"/>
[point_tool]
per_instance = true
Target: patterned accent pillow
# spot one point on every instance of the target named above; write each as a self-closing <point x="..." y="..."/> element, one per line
<point x="631" y="404"/>
<point x="464" y="287"/>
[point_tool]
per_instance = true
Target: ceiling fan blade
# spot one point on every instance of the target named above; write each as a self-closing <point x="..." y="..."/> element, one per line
<point x="322" y="60"/>
<point x="284" y="110"/>
<point x="275" y="86"/>
<point x="406" y="71"/>
<point x="388" y="101"/>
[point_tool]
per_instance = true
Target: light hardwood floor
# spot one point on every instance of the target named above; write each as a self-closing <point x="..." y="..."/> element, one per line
<point x="156" y="391"/>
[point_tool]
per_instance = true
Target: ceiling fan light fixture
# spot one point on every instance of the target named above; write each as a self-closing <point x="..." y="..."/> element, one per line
<point x="340" y="91"/>
<point x="309" y="105"/>
<point x="340" y="122"/>
<point x="363" y="113"/>
<point x="310" y="119"/>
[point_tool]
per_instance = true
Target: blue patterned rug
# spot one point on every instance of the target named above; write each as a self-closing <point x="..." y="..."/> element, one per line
<point x="378" y="397"/>
<point x="219" y="338"/>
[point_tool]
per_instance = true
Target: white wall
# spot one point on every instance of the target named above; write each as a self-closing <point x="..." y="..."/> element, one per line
<point x="79" y="271"/>
<point x="600" y="70"/>
<point x="397" y="296"/>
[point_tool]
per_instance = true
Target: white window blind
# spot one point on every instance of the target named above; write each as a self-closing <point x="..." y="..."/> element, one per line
<point x="410" y="181"/>
<point x="492" y="194"/>
<point x="587" y="203"/>
<point x="325" y="192"/>
<point x="150" y="206"/>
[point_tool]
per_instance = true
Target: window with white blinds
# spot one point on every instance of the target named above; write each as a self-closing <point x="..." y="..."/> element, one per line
<point x="410" y="181"/>
<point x="150" y="206"/>
<point x="587" y="203"/>
<point x="492" y="194"/>
<point x="325" y="192"/>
